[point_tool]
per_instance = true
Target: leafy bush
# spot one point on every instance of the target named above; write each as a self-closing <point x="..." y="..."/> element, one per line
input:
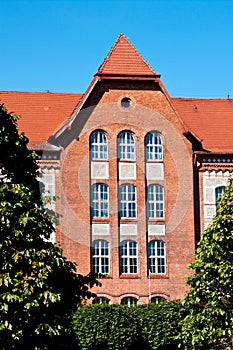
<point x="100" y="327"/>
<point x="116" y="327"/>
<point x="159" y="324"/>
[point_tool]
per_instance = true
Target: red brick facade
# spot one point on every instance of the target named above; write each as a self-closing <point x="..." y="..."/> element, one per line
<point x="145" y="251"/>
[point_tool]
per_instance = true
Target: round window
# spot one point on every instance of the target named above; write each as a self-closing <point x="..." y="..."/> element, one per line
<point x="125" y="102"/>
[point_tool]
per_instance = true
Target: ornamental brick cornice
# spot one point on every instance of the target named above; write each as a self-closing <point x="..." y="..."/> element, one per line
<point x="49" y="164"/>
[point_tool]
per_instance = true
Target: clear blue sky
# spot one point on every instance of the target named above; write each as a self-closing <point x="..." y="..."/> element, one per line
<point x="58" y="45"/>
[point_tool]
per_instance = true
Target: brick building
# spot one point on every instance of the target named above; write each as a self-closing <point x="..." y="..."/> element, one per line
<point x="137" y="172"/>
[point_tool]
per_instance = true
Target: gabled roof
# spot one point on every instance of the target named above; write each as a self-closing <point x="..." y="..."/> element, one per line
<point x="211" y="120"/>
<point x="124" y="60"/>
<point x="42" y="112"/>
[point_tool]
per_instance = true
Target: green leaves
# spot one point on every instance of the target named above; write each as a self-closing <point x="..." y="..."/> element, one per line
<point x="39" y="288"/>
<point x="117" y="327"/>
<point x="209" y="303"/>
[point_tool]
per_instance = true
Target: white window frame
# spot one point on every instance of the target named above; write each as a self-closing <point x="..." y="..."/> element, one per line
<point x="129" y="301"/>
<point x="127" y="201"/>
<point x="218" y="192"/>
<point x="157" y="257"/>
<point x="155" y="201"/>
<point x="154" y="147"/>
<point x="128" y="257"/>
<point x="101" y="300"/>
<point x="157" y="299"/>
<point x="126" y="146"/>
<point x="100" y="200"/>
<point x="100" y="256"/>
<point x="99" y="145"/>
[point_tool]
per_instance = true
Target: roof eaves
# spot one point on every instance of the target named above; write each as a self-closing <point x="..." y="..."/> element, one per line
<point x="128" y="76"/>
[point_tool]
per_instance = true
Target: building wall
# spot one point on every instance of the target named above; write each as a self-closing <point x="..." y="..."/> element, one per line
<point x="148" y="111"/>
<point x="214" y="174"/>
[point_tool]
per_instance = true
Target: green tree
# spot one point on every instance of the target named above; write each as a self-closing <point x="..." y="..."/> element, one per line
<point x="39" y="288"/>
<point x="209" y="303"/>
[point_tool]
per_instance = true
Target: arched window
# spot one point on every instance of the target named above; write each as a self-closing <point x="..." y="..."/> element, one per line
<point x="99" y="146"/>
<point x="154" y="148"/>
<point x="218" y="194"/>
<point x="129" y="301"/>
<point x="155" y="202"/>
<point x="101" y="300"/>
<point x="156" y="257"/>
<point x="127" y="201"/>
<point x="99" y="200"/>
<point x="128" y="257"/>
<point x="157" y="299"/>
<point x="126" y="146"/>
<point x="100" y="257"/>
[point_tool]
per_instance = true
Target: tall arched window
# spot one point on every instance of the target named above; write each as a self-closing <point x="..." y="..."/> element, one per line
<point x="218" y="194"/>
<point x="156" y="257"/>
<point x="128" y="257"/>
<point x="127" y="201"/>
<point x="126" y="146"/>
<point x="100" y="257"/>
<point x="99" y="200"/>
<point x="154" y="148"/>
<point x="99" y="146"/>
<point x="155" y="201"/>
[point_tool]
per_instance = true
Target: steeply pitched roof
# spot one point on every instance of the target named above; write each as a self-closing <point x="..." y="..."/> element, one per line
<point x="210" y="119"/>
<point x="41" y="112"/>
<point x="124" y="59"/>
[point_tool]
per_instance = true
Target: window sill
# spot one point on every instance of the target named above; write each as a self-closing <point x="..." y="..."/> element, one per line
<point x="129" y="276"/>
<point x="127" y="220"/>
<point x="156" y="221"/>
<point x="154" y="276"/>
<point x="100" y="220"/>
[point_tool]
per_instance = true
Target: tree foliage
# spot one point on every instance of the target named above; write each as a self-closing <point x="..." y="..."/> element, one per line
<point x="39" y="288"/>
<point x="209" y="303"/>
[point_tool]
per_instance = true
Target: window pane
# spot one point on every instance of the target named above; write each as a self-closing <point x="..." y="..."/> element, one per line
<point x="129" y="301"/>
<point x="100" y="257"/>
<point x="156" y="257"/>
<point x="99" y="194"/>
<point x="100" y="300"/>
<point x="128" y="257"/>
<point x="157" y="300"/>
<point x="99" y="146"/>
<point x="127" y="199"/>
<point x="218" y="194"/>
<point x="155" y="201"/>
<point x="154" y="149"/>
<point x="126" y="146"/>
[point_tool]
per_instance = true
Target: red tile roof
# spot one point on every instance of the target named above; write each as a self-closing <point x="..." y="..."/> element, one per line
<point x="211" y="120"/>
<point x="124" y="59"/>
<point x="41" y="112"/>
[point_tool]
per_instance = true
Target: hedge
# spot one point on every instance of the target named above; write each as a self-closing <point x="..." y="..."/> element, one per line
<point x="118" y="327"/>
